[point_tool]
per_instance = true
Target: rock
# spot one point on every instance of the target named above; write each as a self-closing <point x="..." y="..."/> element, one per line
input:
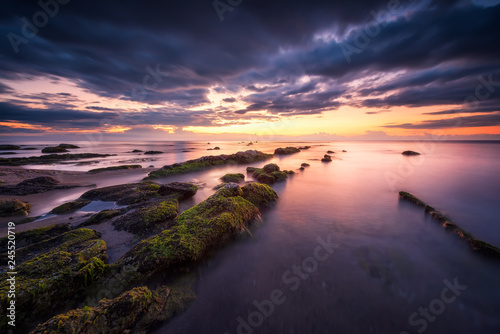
<point x="179" y="190"/>
<point x="35" y="186"/>
<point x="273" y="175"/>
<point x="217" y="187"/>
<point x="304" y="147"/>
<point x="475" y="244"/>
<point x="149" y="217"/>
<point x="260" y="195"/>
<point x="330" y="152"/>
<point x="56" y="278"/>
<point x="198" y="231"/>
<point x="34" y="236"/>
<point x="137" y="151"/>
<point x="287" y="150"/>
<point x="9" y="147"/>
<point x="124" y="194"/>
<point x="13" y="207"/>
<point x="68" y="146"/>
<point x="55" y="149"/>
<point x="239" y="158"/>
<point x="100" y="170"/>
<point x="410" y="153"/>
<point x="250" y="144"/>
<point x="69" y="207"/>
<point x="101" y="217"/>
<point x="216" y="148"/>
<point x="29" y="149"/>
<point x="269" y="168"/>
<point x="237" y="178"/>
<point x="153" y="152"/>
<point x="344" y="151"/>
<point x="304" y="164"/>
<point x="327" y="158"/>
<point x="301" y="168"/>
<point x="7" y="153"/>
<point x="151" y="166"/>
<point x="134" y="311"/>
<point x="49" y="159"/>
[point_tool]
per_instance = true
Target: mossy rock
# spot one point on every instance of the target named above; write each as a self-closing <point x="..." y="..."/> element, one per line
<point x="101" y="217"/>
<point x="286" y="150"/>
<point x="259" y="194"/>
<point x="55" y="279"/>
<point x="35" y="235"/>
<point x="105" y="169"/>
<point x="69" y="207"/>
<point x="149" y="217"/>
<point x="236" y="178"/>
<point x="327" y="158"/>
<point x="13" y="207"/>
<point x="134" y="311"/>
<point x="124" y="194"/>
<point x="198" y="231"/>
<point x="178" y="190"/>
<point x="273" y="175"/>
<point x="270" y="168"/>
<point x="202" y="163"/>
<point x="55" y="149"/>
<point x="410" y="198"/>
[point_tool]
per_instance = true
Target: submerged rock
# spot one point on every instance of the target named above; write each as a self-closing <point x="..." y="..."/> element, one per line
<point x="450" y="225"/>
<point x="105" y="169"/>
<point x="13" y="207"/>
<point x="55" y="149"/>
<point x="236" y="178"/>
<point x="410" y="153"/>
<point x="210" y="161"/>
<point x="286" y="150"/>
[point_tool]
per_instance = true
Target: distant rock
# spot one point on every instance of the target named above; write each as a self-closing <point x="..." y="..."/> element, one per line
<point x="304" y="164"/>
<point x="49" y="159"/>
<point x="55" y="149"/>
<point x="410" y="153"/>
<point x="153" y="152"/>
<point x="13" y="207"/>
<point x="29" y="149"/>
<point x="286" y="150"/>
<point x="137" y="151"/>
<point x="269" y="174"/>
<point x="304" y="147"/>
<point x="68" y="146"/>
<point x="330" y="152"/>
<point x="327" y="158"/>
<point x="105" y="169"/>
<point x="9" y="147"/>
<point x="344" y="151"/>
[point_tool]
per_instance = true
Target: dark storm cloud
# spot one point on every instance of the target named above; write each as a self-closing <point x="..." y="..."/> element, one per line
<point x="174" y="52"/>
<point x="455" y="122"/>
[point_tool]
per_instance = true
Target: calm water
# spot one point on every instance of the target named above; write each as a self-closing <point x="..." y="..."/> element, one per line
<point x="389" y="261"/>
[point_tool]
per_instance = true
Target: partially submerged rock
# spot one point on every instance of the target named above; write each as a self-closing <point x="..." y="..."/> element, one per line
<point x="105" y="169"/>
<point x="9" y="147"/>
<point x="304" y="147"/>
<point x="236" y="178"/>
<point x="33" y="236"/>
<point x="178" y="190"/>
<point x="153" y="152"/>
<point x="197" y="231"/>
<point x="69" y="207"/>
<point x="304" y="164"/>
<point x="101" y="217"/>
<point x="68" y="146"/>
<point x="410" y="153"/>
<point x="260" y="195"/>
<point x="330" y="152"/>
<point x="286" y="150"/>
<point x="124" y="194"/>
<point x="208" y="162"/>
<point x="269" y="174"/>
<point x="35" y="185"/>
<point x="56" y="278"/>
<point x="55" y="149"/>
<point x="49" y="159"/>
<point x="327" y="158"/>
<point x="137" y="151"/>
<point x="134" y="311"/>
<point x="448" y="224"/>
<point x="13" y="207"/>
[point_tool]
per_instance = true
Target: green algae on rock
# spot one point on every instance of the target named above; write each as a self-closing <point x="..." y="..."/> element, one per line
<point x="210" y="161"/>
<point x="55" y="279"/>
<point x="35" y="235"/>
<point x="49" y="159"/>
<point x="124" y="194"/>
<point x="269" y="174"/>
<point x="134" y="311"/>
<point x="101" y="217"/>
<point x="105" y="169"/>
<point x="260" y="195"/>
<point x="198" y="231"/>
<point x="69" y="207"/>
<point x="236" y="178"/>
<point x="178" y="190"/>
<point x="13" y="207"/>
<point x="475" y="244"/>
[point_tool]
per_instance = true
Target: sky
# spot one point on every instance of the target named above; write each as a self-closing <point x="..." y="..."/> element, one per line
<point x="249" y="69"/>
